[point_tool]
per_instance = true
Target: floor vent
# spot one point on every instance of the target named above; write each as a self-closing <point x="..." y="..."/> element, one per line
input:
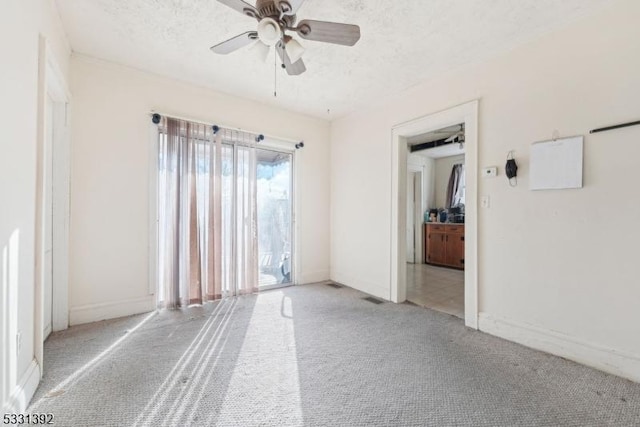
<point x="373" y="300"/>
<point x="334" y="285"/>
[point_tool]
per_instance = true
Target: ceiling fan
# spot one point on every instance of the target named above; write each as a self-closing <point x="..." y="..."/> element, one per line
<point x="457" y="137"/>
<point x="275" y="18"/>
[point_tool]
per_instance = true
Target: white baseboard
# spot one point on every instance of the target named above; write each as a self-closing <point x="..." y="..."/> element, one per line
<point x="110" y="310"/>
<point x="612" y="361"/>
<point x="46" y="332"/>
<point x="305" y="278"/>
<point x="24" y="390"/>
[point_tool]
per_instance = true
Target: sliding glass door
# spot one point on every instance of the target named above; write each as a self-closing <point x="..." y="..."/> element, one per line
<point x="274" y="196"/>
<point x="224" y="215"/>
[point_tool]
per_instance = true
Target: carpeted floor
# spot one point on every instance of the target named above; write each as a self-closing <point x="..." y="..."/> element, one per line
<point x="317" y="356"/>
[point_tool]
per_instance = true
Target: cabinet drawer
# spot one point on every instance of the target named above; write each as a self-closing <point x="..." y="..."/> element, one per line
<point x="437" y="227"/>
<point x="458" y="229"/>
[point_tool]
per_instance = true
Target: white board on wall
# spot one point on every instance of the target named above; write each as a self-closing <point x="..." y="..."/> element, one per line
<point x="557" y="164"/>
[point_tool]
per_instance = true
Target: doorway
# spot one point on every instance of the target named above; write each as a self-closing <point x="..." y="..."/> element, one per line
<point x="436" y="280"/>
<point x="466" y="114"/>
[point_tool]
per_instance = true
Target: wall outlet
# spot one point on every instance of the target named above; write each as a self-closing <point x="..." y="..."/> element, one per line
<point x="491" y="172"/>
<point x="485" y="202"/>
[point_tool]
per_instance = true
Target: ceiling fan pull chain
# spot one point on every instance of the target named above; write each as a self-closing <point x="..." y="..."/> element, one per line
<point x="275" y="73"/>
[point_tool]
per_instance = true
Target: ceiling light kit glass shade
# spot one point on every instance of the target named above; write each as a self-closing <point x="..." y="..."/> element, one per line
<point x="261" y="50"/>
<point x="269" y="31"/>
<point x="294" y="49"/>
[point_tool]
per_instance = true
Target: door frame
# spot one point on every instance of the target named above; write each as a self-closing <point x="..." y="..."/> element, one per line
<point x="468" y="114"/>
<point x="51" y="82"/>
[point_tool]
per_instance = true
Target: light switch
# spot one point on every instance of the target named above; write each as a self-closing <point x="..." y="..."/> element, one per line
<point x="491" y="172"/>
<point x="485" y="202"/>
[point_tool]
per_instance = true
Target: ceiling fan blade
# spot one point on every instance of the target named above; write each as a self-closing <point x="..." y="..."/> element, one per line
<point x="294" y="69"/>
<point x="294" y="5"/>
<point x="241" y="6"/>
<point x="329" y="32"/>
<point x="458" y="135"/>
<point x="235" y="43"/>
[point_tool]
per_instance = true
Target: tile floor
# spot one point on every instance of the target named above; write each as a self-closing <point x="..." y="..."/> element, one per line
<point x="438" y="288"/>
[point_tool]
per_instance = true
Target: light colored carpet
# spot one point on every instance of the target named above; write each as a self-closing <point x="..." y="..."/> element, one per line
<point x="316" y="356"/>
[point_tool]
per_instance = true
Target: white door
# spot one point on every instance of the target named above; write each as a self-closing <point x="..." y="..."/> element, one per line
<point x="411" y="243"/>
<point x="47" y="226"/>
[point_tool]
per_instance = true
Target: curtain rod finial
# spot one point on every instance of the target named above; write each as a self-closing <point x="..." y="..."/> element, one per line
<point x="155" y="118"/>
<point x="299" y="145"/>
<point x="215" y="128"/>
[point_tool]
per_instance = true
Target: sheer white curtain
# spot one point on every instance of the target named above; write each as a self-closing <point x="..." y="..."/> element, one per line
<point x="207" y="226"/>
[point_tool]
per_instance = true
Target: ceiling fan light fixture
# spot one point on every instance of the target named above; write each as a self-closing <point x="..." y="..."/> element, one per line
<point x="261" y="50"/>
<point x="269" y="31"/>
<point x="294" y="49"/>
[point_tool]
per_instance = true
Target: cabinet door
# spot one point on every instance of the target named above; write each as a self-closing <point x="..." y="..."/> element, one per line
<point x="425" y="244"/>
<point x="455" y="250"/>
<point x="436" y="248"/>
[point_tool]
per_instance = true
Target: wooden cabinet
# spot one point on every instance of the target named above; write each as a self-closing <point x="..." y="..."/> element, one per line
<point x="444" y="244"/>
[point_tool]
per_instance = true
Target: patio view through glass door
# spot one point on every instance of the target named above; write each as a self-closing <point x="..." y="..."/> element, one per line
<point x="274" y="202"/>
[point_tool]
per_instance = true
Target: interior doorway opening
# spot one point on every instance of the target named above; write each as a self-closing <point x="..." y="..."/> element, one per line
<point x="435" y="220"/>
<point x="466" y="114"/>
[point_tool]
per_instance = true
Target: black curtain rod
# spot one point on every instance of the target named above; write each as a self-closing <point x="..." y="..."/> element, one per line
<point x="623" y="125"/>
<point x="156" y="118"/>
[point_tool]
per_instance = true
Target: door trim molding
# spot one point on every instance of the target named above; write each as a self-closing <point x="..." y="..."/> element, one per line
<point x="468" y="114"/>
<point x="52" y="83"/>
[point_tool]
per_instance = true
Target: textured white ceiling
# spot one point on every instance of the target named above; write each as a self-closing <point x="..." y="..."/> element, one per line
<point x="404" y="42"/>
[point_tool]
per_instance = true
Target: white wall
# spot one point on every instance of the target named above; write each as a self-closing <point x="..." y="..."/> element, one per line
<point x="443" y="168"/>
<point x="110" y="184"/>
<point x="21" y="24"/>
<point x="557" y="269"/>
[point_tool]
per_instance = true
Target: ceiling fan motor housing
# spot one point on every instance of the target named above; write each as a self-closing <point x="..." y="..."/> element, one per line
<point x="271" y="9"/>
<point x="267" y="8"/>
